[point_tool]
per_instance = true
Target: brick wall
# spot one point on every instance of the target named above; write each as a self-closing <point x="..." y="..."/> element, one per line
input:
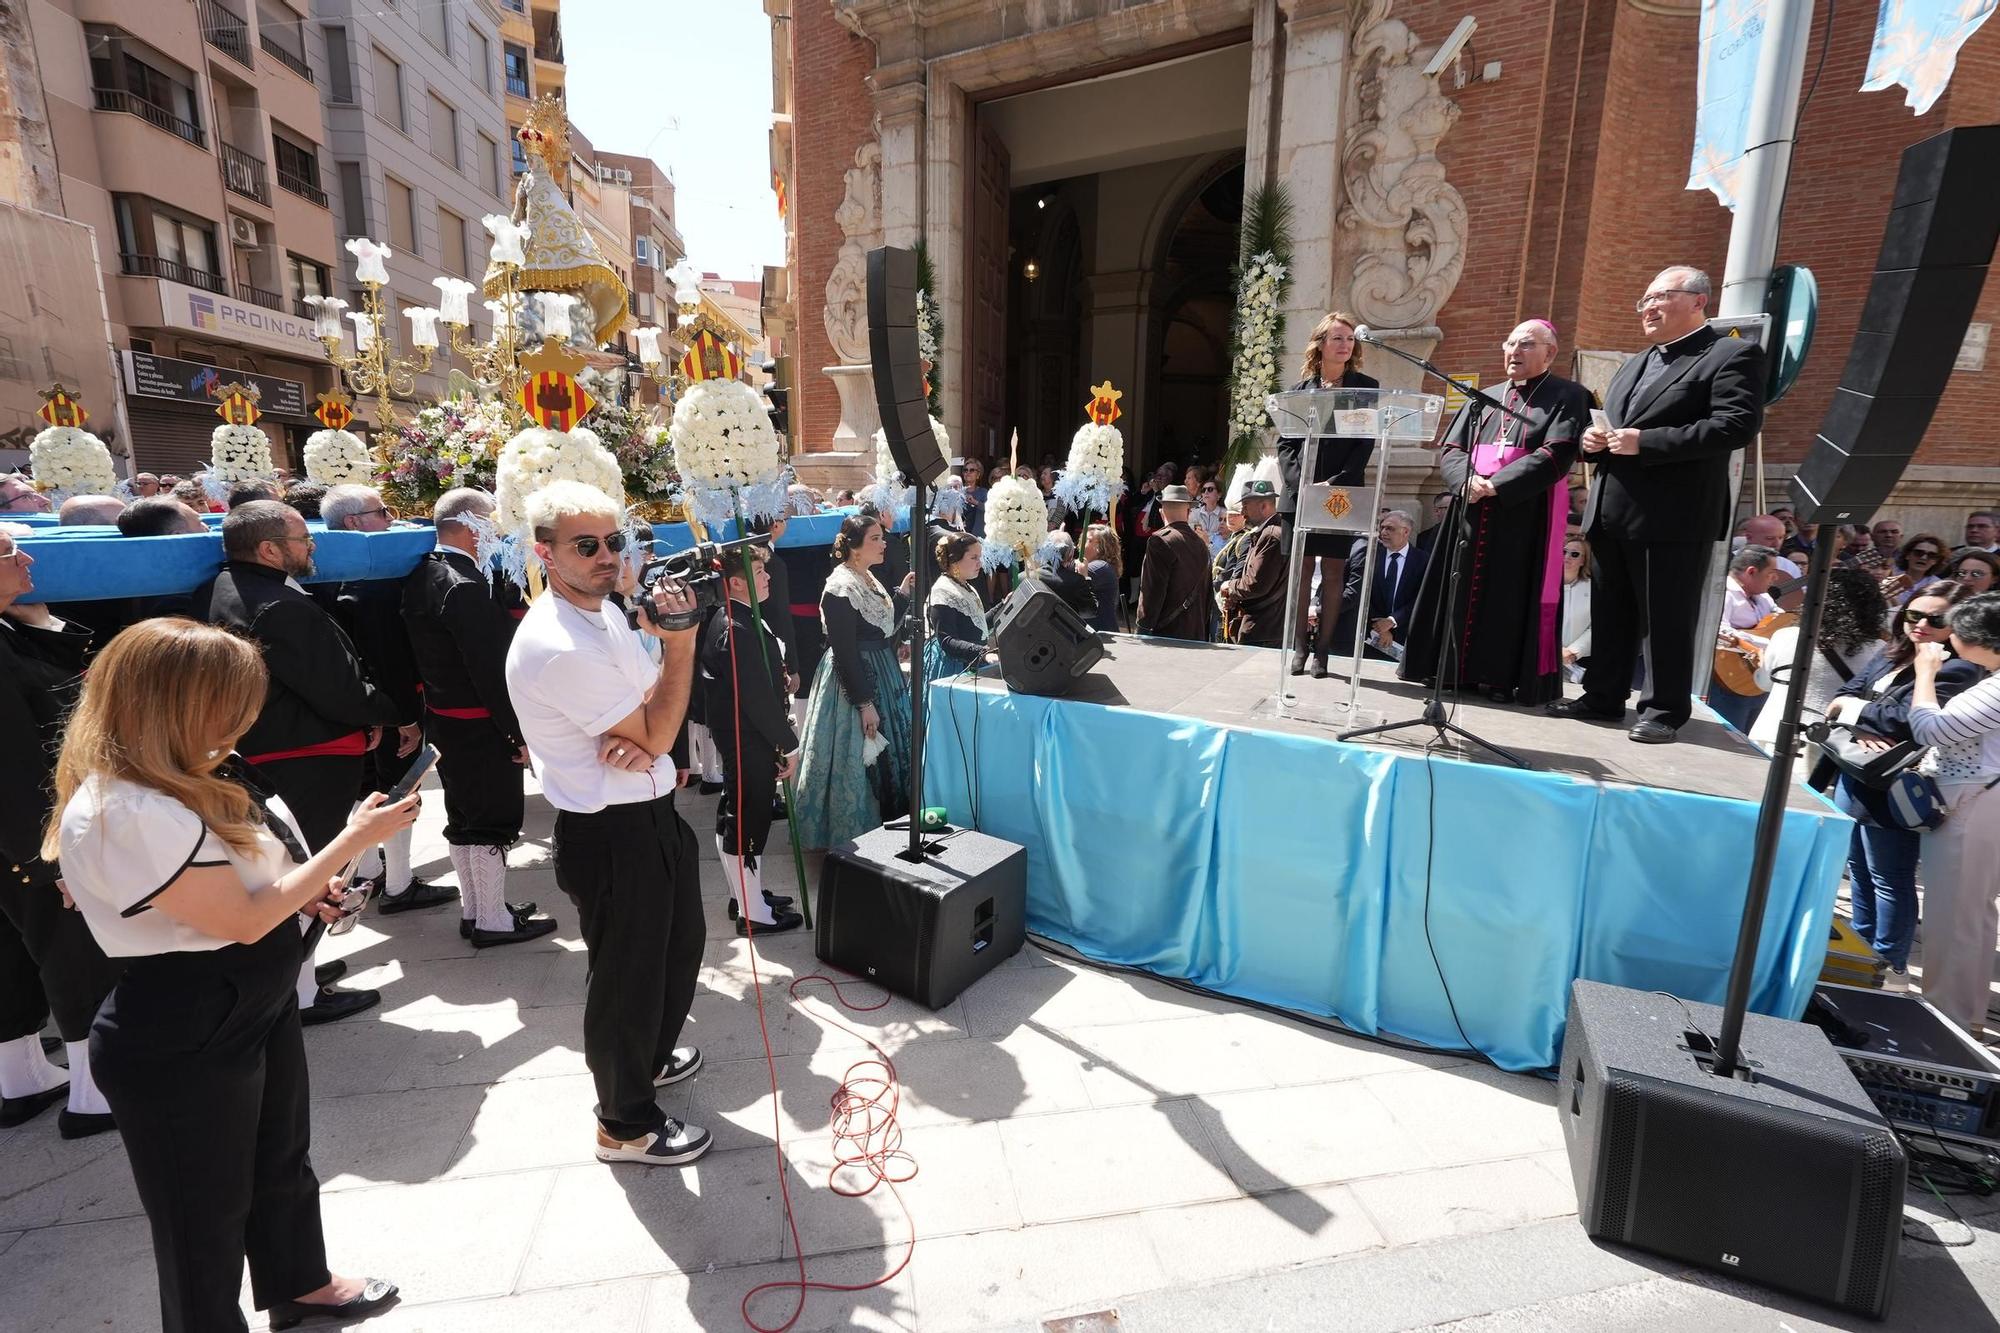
<point x="833" y="113"/>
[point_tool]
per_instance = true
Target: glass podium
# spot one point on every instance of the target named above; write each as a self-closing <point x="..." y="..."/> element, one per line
<point x="1355" y="431"/>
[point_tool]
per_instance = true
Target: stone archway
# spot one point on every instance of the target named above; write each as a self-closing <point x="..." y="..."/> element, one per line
<point x="1191" y="247"/>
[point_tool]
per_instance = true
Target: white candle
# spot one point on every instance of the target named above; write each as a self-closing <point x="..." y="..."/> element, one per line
<point x="423" y="326"/>
<point x="555" y="314"/>
<point x="454" y="301"/>
<point x="364" y="331"/>
<point x="649" y="346"/>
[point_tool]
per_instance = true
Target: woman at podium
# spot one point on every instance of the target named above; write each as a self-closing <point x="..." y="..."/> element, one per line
<point x="1333" y="361"/>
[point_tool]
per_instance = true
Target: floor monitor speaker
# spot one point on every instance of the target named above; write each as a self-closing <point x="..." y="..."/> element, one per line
<point x="1043" y="644"/>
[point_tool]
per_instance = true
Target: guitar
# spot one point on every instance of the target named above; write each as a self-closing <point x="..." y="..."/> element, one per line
<point x="1739" y="652"/>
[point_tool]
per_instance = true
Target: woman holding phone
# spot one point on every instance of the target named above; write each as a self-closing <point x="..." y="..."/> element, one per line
<point x="199" y="882"/>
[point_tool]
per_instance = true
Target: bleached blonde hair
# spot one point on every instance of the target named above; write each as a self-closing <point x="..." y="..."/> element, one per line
<point x="566" y="499"/>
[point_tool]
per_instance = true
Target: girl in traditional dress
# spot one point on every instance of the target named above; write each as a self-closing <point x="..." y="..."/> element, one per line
<point x="957" y="639"/>
<point x="854" y="761"/>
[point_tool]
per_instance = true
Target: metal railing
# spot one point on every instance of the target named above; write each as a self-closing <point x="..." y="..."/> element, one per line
<point x="117" y="99"/>
<point x="302" y="310"/>
<point x="244" y="174"/>
<point x="226" y="31"/>
<point x="550" y="50"/>
<point x="301" y="187"/>
<point x="518" y="87"/>
<point x="152" y="266"/>
<point x="291" y="61"/>
<point x="258" y="296"/>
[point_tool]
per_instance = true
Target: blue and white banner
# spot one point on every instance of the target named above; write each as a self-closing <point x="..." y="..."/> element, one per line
<point x="1732" y="34"/>
<point x="1916" y="45"/>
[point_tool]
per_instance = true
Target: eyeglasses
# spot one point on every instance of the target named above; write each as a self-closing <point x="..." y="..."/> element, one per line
<point x="1651" y="299"/>
<point x="1209" y="490"/>
<point x="1974" y="571"/>
<point x="308" y="539"/>
<point x="587" y="546"/>
<point x="365" y="513"/>
<point x="1929" y="553"/>
<point x="1572" y="555"/>
<point x="1935" y="619"/>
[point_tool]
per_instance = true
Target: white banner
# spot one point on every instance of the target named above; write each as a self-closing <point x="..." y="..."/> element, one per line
<point x="1732" y="35"/>
<point x="219" y="316"/>
<point x="1916" y="45"/>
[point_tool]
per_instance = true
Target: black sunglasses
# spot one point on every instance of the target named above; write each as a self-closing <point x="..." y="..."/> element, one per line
<point x="587" y="546"/>
<point x="1935" y="619"/>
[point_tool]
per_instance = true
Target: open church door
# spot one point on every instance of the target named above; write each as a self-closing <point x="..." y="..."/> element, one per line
<point x="986" y="297"/>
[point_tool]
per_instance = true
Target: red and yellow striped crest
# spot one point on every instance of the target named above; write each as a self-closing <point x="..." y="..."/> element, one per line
<point x="239" y="404"/>
<point x="60" y="407"/>
<point x="554" y="400"/>
<point x="710" y="357"/>
<point x="333" y="411"/>
<point x="1103" y="407"/>
<point x="778" y="188"/>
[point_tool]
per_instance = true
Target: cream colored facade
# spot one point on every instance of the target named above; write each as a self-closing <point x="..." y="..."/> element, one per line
<point x="531" y="58"/>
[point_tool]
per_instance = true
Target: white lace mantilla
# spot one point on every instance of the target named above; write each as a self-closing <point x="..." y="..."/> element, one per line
<point x="865" y="593"/>
<point x="948" y="591"/>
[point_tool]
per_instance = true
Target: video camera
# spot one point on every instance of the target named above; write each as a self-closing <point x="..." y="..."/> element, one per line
<point x="703" y="568"/>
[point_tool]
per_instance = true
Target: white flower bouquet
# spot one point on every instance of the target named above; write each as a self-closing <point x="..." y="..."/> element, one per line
<point x="1253" y="376"/>
<point x="236" y="453"/>
<point x="727" y="452"/>
<point x="536" y="457"/>
<point x="1094" y="477"/>
<point x="69" y="460"/>
<point x="1017" y="521"/>
<point x="338" y="458"/>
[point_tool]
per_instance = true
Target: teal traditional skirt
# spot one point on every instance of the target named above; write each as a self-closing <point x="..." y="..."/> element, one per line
<point x="839" y="797"/>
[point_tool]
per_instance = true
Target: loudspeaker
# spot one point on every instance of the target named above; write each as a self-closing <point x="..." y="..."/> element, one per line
<point x="1943" y="223"/>
<point x="1043" y="644"/>
<point x="899" y="371"/>
<point x="1790" y="1178"/>
<point x="926" y="929"/>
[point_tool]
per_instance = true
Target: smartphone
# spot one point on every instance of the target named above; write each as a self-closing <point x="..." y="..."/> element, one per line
<point x="422" y="764"/>
<point x="357" y="895"/>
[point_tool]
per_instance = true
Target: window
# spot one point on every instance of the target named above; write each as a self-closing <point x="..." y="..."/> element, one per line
<point x="308" y="277"/>
<point x="127" y="82"/>
<point x="339" y="67"/>
<point x="520" y="159"/>
<point x="435" y="18"/>
<point x="451" y="242"/>
<point x="353" y="200"/>
<point x="515" y="58"/>
<point x="161" y="242"/>
<point x="642" y="252"/>
<point x="444" y="130"/>
<point x="389" y="90"/>
<point x="482" y="58"/>
<point x="298" y="165"/>
<point x="489" y="164"/>
<point x="402" y="216"/>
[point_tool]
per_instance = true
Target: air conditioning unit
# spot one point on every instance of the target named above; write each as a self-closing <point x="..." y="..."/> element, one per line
<point x="622" y="175"/>
<point x="243" y="233"/>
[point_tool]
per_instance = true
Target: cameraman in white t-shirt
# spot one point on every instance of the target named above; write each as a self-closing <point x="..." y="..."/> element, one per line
<point x="600" y="720"/>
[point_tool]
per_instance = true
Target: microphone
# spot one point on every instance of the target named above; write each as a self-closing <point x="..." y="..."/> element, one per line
<point x="1364" y="334"/>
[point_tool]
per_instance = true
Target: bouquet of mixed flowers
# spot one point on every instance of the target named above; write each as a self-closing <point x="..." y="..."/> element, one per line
<point x="642" y="446"/>
<point x="454" y="443"/>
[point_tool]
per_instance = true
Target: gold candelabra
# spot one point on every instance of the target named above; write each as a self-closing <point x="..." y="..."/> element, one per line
<point x="373" y="370"/>
<point x="496" y="363"/>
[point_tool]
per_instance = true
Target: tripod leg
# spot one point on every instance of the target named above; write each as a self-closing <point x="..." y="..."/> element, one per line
<point x="1508" y="755"/>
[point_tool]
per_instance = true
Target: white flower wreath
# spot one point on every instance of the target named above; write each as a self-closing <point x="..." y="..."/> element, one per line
<point x="1092" y="480"/>
<point x="1017" y="520"/>
<point x="727" y="452"/>
<point x="68" y="460"/>
<point x="1254" y="376"/>
<point x="534" y="458"/>
<point x="337" y="458"/>
<point x="240" y="453"/>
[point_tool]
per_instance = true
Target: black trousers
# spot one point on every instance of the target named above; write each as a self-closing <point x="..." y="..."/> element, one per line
<point x="483" y="786"/>
<point x="759" y="789"/>
<point x="1645" y="599"/>
<point x="24" y="1005"/>
<point x="75" y="974"/>
<point x="201" y="1058"/>
<point x="632" y="873"/>
<point x="319" y="791"/>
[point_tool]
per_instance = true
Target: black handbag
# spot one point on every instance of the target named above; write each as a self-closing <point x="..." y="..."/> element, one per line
<point x="1878" y="769"/>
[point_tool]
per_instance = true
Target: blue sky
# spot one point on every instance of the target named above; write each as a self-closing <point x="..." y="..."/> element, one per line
<point x="688" y="83"/>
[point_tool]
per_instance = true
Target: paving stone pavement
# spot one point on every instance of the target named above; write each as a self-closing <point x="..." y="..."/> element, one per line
<point x="1084" y="1143"/>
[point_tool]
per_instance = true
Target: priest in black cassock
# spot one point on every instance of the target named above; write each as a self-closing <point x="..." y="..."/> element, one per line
<point x="1505" y="530"/>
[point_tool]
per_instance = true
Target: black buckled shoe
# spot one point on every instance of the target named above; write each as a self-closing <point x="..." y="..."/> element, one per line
<point x="1581" y="710"/>
<point x="331" y="1005"/>
<point x="83" y="1124"/>
<point x="375" y="1293"/>
<point x="20" y="1110"/>
<point x="777" y="902"/>
<point x="525" y="928"/>
<point x="419" y="895"/>
<point x="520" y="911"/>
<point x="328" y="973"/>
<point x="1654" y="732"/>
<point x="784" y="921"/>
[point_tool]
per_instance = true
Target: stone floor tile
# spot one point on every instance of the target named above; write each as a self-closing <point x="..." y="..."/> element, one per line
<point x="7" y="1239"/>
<point x="490" y="1044"/>
<point x="1210" y="1242"/>
<point x="445" y="1240"/>
<point x="1470" y="1112"/>
<point x="89" y="1278"/>
<point x="996" y="1278"/>
<point x="1464" y="1200"/>
<point x="731" y="1099"/>
<point x="962" y="1184"/>
<point x="1118" y="1160"/>
<point x="604" y="1221"/>
<point x="528" y="1124"/>
<point x="387" y="1137"/>
<point x="1155" y="1061"/>
<point x="1045" y="997"/>
<point x="1289" y="1137"/>
<point x="897" y="1024"/>
<point x="1027" y="1072"/>
<point x="52" y="1180"/>
<point x="1292" y="1052"/>
<point x="604" y="1307"/>
<point x="513" y="975"/>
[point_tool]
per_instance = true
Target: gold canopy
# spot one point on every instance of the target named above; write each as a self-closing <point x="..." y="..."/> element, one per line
<point x="561" y="255"/>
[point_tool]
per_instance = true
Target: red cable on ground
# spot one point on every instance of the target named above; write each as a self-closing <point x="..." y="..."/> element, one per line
<point x="865" y="1131"/>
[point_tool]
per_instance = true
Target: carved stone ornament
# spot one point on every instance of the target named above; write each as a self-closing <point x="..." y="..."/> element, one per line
<point x="1402" y="223"/>
<point x="846" y="310"/>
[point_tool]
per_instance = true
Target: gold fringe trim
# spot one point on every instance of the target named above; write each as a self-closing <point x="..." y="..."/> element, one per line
<point x="579" y="277"/>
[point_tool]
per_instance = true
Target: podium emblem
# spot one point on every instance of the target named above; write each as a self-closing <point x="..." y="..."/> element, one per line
<point x="1338" y="504"/>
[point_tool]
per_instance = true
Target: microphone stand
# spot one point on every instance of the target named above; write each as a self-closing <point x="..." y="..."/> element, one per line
<point x="1434" y="714"/>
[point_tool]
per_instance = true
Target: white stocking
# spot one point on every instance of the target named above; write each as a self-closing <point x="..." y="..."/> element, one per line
<point x="369" y="865"/>
<point x="25" y="1069"/>
<point x="752" y="897"/>
<point x="308" y="984"/>
<point x="489" y="878"/>
<point x="396" y="852"/>
<point x="461" y="864"/>
<point x="84" y="1098"/>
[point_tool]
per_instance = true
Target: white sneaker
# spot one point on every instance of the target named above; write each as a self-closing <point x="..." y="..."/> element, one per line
<point x="1896" y="979"/>
<point x="683" y="1064"/>
<point x="676" y="1144"/>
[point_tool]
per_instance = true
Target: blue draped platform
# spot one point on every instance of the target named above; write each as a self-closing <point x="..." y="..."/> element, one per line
<point x="1400" y="896"/>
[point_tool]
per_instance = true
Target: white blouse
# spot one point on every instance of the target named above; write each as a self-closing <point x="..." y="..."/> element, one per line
<point x="122" y="844"/>
<point x="1964" y="734"/>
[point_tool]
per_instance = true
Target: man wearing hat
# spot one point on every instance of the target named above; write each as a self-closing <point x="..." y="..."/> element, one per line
<point x="1174" y="592"/>
<point x="1254" y="601"/>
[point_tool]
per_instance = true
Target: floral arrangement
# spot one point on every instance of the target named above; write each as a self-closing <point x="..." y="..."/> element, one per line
<point x="536" y="457"/>
<point x="236" y="453"/>
<point x="930" y="327"/>
<point x="1017" y="521"/>
<point x="642" y="446"/>
<point x="1093" y="479"/>
<point x="452" y="444"/>
<point x="1263" y="278"/>
<point x="338" y="458"/>
<point x="727" y="452"/>
<point x="890" y="490"/>
<point x="69" y="460"/>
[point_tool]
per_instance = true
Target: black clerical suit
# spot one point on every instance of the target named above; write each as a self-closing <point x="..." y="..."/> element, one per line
<point x="66" y="972"/>
<point x="1654" y="517"/>
<point x="458" y="631"/>
<point x="745" y="680"/>
<point x="309" y="741"/>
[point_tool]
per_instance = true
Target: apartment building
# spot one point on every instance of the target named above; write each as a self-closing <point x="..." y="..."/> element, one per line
<point x="417" y="135"/>
<point x="656" y="241"/>
<point x="531" y="57"/>
<point x="189" y="137"/>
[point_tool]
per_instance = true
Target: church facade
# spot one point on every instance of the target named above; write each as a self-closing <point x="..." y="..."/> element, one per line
<point x="1076" y="170"/>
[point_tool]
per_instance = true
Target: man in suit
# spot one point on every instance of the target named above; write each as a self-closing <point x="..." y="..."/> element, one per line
<point x="1174" y="592"/>
<point x="1392" y="596"/>
<point x="1661" y="500"/>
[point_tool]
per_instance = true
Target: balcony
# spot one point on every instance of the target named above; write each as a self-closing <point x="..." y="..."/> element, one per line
<point x="549" y="49"/>
<point x="258" y="296"/>
<point x="244" y="174"/>
<point x="225" y="31"/>
<point x="295" y="63"/>
<point x="302" y="187"/>
<point x="151" y="266"/>
<point x="517" y="87"/>
<point x="115" y="99"/>
<point x="304" y="311"/>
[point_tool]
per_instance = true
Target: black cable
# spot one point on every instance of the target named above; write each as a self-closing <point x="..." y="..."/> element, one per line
<point x="1688" y="1014"/>
<point x="1784" y="196"/>
<point x="1430" y="853"/>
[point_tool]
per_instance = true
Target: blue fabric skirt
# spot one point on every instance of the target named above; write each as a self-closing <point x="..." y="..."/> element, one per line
<point x="839" y="797"/>
<point x="940" y="665"/>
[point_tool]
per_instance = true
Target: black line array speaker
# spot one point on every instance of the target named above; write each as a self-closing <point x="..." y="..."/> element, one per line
<point x="1942" y="226"/>
<point x="1790" y="1177"/>
<point x="923" y="929"/>
<point x="1043" y="644"/>
<point x="899" y="371"/>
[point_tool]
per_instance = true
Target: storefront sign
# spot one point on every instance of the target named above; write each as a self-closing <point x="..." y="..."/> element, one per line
<point x="152" y="376"/>
<point x="216" y="316"/>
